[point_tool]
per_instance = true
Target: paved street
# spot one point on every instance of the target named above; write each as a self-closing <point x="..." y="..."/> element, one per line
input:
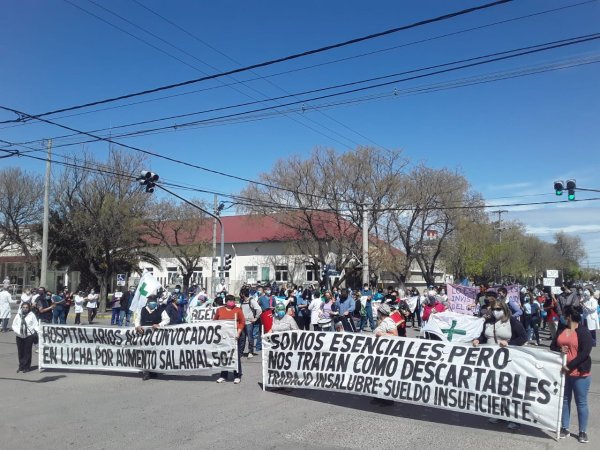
<point x="55" y="409"/>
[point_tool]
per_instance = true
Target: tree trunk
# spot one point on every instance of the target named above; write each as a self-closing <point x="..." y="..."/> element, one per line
<point x="186" y="281"/>
<point x="103" y="279"/>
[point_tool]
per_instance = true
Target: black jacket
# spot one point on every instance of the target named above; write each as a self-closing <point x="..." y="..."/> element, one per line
<point x="583" y="360"/>
<point x="519" y="335"/>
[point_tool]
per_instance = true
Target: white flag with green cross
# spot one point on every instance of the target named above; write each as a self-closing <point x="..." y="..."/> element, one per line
<point x="148" y="285"/>
<point x="454" y="327"/>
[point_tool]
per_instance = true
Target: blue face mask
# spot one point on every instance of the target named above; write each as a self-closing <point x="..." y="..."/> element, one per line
<point x="152" y="305"/>
<point x="280" y="314"/>
<point x="177" y="291"/>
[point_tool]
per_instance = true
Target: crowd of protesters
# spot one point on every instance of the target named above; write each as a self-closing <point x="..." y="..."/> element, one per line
<point x="570" y="319"/>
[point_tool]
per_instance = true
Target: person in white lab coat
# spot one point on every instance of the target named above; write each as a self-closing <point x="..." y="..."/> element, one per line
<point x="25" y="327"/>
<point x="5" y="313"/>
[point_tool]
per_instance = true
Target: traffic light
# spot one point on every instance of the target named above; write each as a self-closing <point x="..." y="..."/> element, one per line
<point x="228" y="259"/>
<point x="571" y="186"/>
<point x="149" y="180"/>
<point x="324" y="272"/>
<point x="559" y="187"/>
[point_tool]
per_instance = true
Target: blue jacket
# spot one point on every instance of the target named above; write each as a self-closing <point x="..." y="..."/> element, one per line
<point x="347" y="305"/>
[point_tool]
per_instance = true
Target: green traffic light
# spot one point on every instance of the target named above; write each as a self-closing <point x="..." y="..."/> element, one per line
<point x="572" y="196"/>
<point x="559" y="192"/>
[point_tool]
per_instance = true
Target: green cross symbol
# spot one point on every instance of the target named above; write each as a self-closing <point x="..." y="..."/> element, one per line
<point x="452" y="331"/>
<point x="143" y="291"/>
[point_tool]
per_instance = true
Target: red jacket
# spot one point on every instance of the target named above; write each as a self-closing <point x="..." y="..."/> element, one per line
<point x="428" y="308"/>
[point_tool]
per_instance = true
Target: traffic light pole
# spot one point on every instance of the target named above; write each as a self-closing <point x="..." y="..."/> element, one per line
<point x="214" y="216"/>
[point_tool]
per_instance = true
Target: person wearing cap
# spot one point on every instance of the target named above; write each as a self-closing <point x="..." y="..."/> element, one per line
<point x="79" y="300"/>
<point x="25" y="327"/>
<point x="386" y="327"/>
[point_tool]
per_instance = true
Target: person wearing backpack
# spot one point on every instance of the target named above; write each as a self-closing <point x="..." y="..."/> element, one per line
<point x="252" y="312"/>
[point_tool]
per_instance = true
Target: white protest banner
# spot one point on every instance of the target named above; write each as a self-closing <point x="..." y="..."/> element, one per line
<point x="462" y="299"/>
<point x="519" y="384"/>
<point x="453" y="327"/>
<point x="148" y="285"/>
<point x="201" y="313"/>
<point x="209" y="345"/>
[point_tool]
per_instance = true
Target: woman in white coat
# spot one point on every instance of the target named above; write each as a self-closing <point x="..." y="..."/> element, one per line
<point x="5" y="313"/>
<point x="79" y="300"/>
<point x="25" y="327"/>
<point x="590" y="312"/>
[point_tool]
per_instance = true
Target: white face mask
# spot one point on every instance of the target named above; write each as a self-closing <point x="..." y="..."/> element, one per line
<point x="499" y="315"/>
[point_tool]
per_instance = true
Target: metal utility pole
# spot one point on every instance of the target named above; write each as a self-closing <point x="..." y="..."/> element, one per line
<point x="44" y="268"/>
<point x="365" y="247"/>
<point x="500" y="212"/>
<point x="214" y="253"/>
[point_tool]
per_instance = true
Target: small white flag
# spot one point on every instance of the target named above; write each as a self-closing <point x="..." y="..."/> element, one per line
<point x="454" y="327"/>
<point x="148" y="285"/>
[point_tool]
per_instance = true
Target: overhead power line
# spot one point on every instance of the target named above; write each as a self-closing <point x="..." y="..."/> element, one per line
<point x="472" y="62"/>
<point x="334" y="61"/>
<point x="282" y="59"/>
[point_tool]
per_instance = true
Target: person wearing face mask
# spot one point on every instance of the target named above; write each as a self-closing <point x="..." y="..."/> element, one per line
<point x="79" y="300"/>
<point x="504" y="330"/>
<point x="92" y="305"/>
<point x="25" y="326"/>
<point x="283" y="319"/>
<point x="267" y="304"/>
<point x="575" y="341"/>
<point x="233" y="312"/>
<point x="346" y="307"/>
<point x="43" y="306"/>
<point x="536" y="319"/>
<point x="590" y="312"/>
<point x="125" y="314"/>
<point x="150" y="318"/>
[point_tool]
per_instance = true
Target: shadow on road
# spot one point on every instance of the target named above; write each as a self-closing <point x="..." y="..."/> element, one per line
<point x="41" y="380"/>
<point x="405" y="410"/>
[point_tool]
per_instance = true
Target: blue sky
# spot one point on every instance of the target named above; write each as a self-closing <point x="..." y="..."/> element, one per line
<point x="510" y="138"/>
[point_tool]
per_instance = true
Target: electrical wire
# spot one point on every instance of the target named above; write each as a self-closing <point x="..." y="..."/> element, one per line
<point x="480" y="60"/>
<point x="280" y="60"/>
<point x="266" y="77"/>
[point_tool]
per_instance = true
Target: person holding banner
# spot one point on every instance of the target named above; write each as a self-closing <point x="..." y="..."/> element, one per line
<point x="25" y="327"/>
<point x="232" y="312"/>
<point x="387" y="326"/>
<point x="503" y="330"/>
<point x="151" y="317"/>
<point x="283" y="319"/>
<point x="575" y="341"/>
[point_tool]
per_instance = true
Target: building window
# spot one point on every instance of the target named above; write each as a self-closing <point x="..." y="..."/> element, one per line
<point x="251" y="273"/>
<point x="266" y="274"/>
<point x="311" y="273"/>
<point x="281" y="273"/>
<point x="172" y="276"/>
<point x="196" y="277"/>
